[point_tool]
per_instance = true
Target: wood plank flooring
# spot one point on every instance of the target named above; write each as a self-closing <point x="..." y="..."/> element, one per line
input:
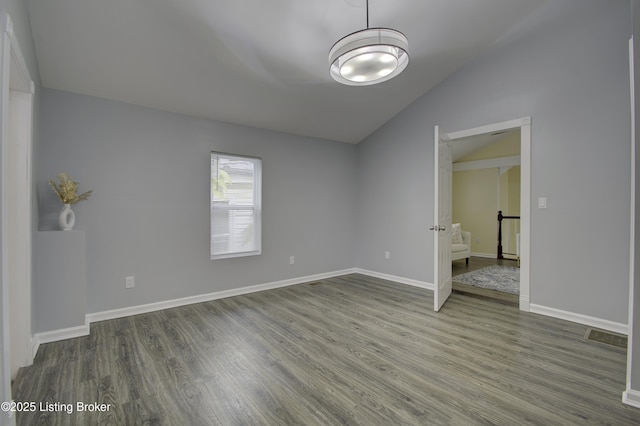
<point x="351" y="350"/>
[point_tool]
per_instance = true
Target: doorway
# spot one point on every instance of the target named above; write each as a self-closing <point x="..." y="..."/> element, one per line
<point x="524" y="126"/>
<point x="486" y="188"/>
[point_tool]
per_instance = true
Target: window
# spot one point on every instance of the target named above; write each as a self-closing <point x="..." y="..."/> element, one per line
<point x="235" y="206"/>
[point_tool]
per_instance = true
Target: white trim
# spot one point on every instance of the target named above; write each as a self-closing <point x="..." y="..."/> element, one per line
<point x="490" y="128"/>
<point x="67" y="333"/>
<point x="157" y="306"/>
<point x="24" y="84"/>
<point x="16" y="193"/>
<point x="56" y="335"/>
<point x="16" y="93"/>
<point x="83" y="330"/>
<point x="525" y="303"/>
<point x="490" y="163"/>
<point x="525" y="192"/>
<point x="525" y="214"/>
<point x="485" y="255"/>
<point x="256" y="208"/>
<point x="400" y="280"/>
<point x="631" y="397"/>
<point x="616" y="327"/>
<point x="5" y="45"/>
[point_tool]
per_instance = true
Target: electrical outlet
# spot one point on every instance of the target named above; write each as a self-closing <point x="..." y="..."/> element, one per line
<point x="292" y="260"/>
<point x="387" y="255"/>
<point x="477" y="240"/>
<point x="129" y="282"/>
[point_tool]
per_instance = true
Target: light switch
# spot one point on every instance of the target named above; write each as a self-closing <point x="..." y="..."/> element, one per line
<point x="542" y="202"/>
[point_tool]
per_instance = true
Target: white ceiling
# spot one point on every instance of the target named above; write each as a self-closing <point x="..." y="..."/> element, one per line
<point x="255" y="62"/>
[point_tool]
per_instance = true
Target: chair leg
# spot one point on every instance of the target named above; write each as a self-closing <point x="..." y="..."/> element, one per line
<point x="466" y="260"/>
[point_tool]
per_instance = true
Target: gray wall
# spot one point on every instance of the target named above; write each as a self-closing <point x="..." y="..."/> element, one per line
<point x="17" y="10"/>
<point x="571" y="76"/>
<point x="149" y="213"/>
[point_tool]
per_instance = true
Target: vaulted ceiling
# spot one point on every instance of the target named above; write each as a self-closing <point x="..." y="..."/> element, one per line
<point x="255" y="62"/>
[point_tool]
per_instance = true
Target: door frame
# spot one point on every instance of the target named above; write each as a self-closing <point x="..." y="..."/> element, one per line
<point x="16" y="111"/>
<point x="524" y="124"/>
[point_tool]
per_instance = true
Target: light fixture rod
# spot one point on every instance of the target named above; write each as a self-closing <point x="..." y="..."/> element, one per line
<point x="367" y="14"/>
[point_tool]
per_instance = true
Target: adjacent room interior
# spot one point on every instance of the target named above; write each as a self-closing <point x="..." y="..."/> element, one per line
<point x="228" y="212"/>
<point x="486" y="209"/>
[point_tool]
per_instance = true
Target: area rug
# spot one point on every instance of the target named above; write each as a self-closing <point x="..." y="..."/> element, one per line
<point x="495" y="277"/>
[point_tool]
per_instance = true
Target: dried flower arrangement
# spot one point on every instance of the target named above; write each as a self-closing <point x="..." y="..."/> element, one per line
<point x="66" y="189"/>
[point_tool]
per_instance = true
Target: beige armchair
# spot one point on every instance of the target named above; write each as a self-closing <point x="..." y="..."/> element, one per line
<point x="462" y="251"/>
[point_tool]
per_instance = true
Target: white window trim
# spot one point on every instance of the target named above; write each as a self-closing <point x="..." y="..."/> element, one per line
<point x="257" y="208"/>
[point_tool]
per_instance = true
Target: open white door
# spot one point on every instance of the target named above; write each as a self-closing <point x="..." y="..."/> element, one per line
<point x="442" y="227"/>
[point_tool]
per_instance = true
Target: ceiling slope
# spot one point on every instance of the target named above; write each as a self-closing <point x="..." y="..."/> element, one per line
<point x="254" y="62"/>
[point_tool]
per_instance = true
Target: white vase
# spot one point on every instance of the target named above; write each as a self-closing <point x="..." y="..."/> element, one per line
<point x="67" y="218"/>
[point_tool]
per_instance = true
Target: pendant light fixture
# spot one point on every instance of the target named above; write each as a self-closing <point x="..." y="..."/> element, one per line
<point x="369" y="56"/>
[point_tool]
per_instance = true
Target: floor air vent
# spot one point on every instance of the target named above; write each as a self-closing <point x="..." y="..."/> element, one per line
<point x="606" y="337"/>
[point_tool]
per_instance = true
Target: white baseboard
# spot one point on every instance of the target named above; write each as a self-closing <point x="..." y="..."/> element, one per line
<point x="603" y="324"/>
<point x="83" y="330"/>
<point x="631" y="397"/>
<point x="401" y="280"/>
<point x="157" y="306"/>
<point x="493" y="255"/>
<point x="55" y="335"/>
<point x="487" y="255"/>
<point x="67" y="333"/>
<point x="525" y="303"/>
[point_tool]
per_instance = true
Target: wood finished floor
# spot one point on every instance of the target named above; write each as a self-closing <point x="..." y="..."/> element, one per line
<point x="349" y="350"/>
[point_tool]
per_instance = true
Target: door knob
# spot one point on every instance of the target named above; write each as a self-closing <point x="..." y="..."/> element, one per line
<point x="432" y="228"/>
<point x="441" y="228"/>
